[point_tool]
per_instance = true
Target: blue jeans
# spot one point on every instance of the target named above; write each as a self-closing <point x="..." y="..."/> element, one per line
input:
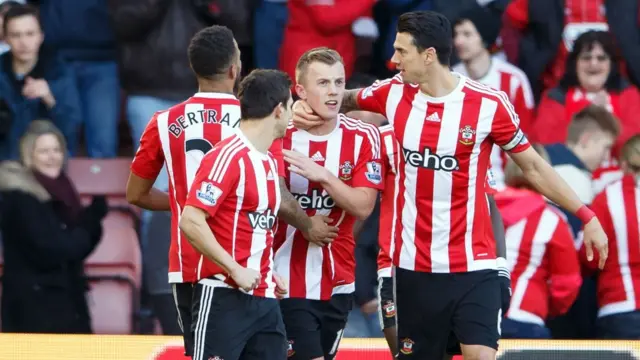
<point x="361" y="325"/>
<point x="269" y="22"/>
<point x="512" y="329"/>
<point x="139" y="110"/>
<point x="625" y="326"/>
<point x="99" y="89"/>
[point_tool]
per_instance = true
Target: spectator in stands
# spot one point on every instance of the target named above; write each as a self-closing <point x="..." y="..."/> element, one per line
<point x="475" y="32"/>
<point x="592" y="77"/>
<point x="618" y="209"/>
<point x="322" y="23"/>
<point x="269" y="20"/>
<point x="548" y="29"/>
<point x="545" y="272"/>
<point x="4" y="7"/>
<point x="82" y="33"/>
<point x="47" y="234"/>
<point x="34" y="83"/>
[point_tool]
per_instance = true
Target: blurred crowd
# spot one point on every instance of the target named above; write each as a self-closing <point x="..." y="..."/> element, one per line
<point x="81" y="78"/>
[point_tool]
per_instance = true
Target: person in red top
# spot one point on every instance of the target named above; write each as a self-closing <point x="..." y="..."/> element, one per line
<point x="317" y="23"/>
<point x="618" y="206"/>
<point x="545" y="271"/>
<point x="446" y="125"/>
<point x="592" y="77"/>
<point x="334" y="170"/>
<point x="180" y="137"/>
<point x="230" y="217"/>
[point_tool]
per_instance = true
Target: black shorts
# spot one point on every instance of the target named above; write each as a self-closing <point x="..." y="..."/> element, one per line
<point x="315" y="327"/>
<point x="386" y="303"/>
<point x="232" y="325"/>
<point x="183" y="297"/>
<point x="438" y="311"/>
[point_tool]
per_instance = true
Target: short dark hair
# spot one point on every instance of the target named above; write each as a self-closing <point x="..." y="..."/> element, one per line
<point x="589" y="118"/>
<point x="428" y="29"/>
<point x="261" y="91"/>
<point x="211" y="51"/>
<point x="17" y="11"/>
<point x="630" y="147"/>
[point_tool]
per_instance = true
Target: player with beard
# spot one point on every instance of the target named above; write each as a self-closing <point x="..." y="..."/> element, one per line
<point x="446" y="125"/>
<point x="180" y="137"/>
<point x="334" y="170"/>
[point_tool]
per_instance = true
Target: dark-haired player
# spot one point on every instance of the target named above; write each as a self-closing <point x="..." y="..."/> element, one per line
<point x="180" y="137"/>
<point x="446" y="125"/>
<point x="230" y="216"/>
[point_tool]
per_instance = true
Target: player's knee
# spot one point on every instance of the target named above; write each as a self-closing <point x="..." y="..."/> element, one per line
<point x="478" y="352"/>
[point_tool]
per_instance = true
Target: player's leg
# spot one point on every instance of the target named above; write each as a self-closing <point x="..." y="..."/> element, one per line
<point x="270" y="340"/>
<point x="387" y="312"/>
<point x="224" y="320"/>
<point x="476" y="320"/>
<point x="424" y="313"/>
<point x="334" y="320"/>
<point x="302" y="324"/>
<point x="183" y="297"/>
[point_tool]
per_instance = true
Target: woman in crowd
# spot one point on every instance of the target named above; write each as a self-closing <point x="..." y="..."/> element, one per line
<point x="592" y="76"/>
<point x="46" y="235"/>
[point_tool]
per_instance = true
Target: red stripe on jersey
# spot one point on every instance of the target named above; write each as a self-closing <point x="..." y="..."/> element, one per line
<point x="180" y="137"/>
<point x="388" y="202"/>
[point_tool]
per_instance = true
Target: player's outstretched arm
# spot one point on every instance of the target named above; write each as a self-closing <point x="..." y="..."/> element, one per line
<point x="141" y="193"/>
<point x="544" y="179"/>
<point x="315" y="229"/>
<point x="193" y="223"/>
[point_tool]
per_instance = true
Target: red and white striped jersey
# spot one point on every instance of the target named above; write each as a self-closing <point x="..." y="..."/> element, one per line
<point x="238" y="187"/>
<point x="388" y="225"/>
<point x="352" y="153"/>
<point x="446" y="143"/>
<point x="545" y="272"/>
<point x="618" y="209"/>
<point x="180" y="137"/>
<point x="507" y="77"/>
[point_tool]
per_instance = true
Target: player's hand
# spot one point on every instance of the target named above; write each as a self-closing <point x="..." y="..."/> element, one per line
<point x="304" y="166"/>
<point x="304" y="117"/>
<point x="246" y="279"/>
<point x="281" y="286"/>
<point x="595" y="237"/>
<point x="505" y="285"/>
<point x="321" y="233"/>
<point x="370" y="307"/>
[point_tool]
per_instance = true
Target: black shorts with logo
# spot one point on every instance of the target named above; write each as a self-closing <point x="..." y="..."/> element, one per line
<point x="386" y="303"/>
<point x="437" y="311"/>
<point x="183" y="297"/>
<point x="232" y="325"/>
<point x="315" y="327"/>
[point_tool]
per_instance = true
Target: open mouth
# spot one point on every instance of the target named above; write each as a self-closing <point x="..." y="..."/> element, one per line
<point x="331" y="103"/>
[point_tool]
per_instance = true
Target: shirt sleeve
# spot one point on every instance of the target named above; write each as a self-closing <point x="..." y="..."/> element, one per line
<point x="276" y="152"/>
<point x="368" y="170"/>
<point x="374" y="97"/>
<point x="214" y="181"/>
<point x="149" y="158"/>
<point x="505" y="130"/>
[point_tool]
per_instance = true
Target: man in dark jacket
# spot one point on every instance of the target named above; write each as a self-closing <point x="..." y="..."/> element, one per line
<point x="34" y="84"/>
<point x="82" y="33"/>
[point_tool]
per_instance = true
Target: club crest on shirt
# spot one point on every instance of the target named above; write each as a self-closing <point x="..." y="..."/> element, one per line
<point x="374" y="172"/>
<point x="208" y="193"/>
<point x="389" y="309"/>
<point x="466" y="135"/>
<point x="346" y="170"/>
<point x="407" y="346"/>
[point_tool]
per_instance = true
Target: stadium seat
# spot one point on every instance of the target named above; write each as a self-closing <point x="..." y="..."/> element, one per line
<point x="112" y="305"/>
<point x="99" y="176"/>
<point x="117" y="254"/>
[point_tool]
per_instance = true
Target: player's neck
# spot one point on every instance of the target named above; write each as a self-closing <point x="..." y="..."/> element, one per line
<point x="210" y="86"/>
<point x="441" y="82"/>
<point x="324" y="129"/>
<point x="259" y="132"/>
<point x="479" y="66"/>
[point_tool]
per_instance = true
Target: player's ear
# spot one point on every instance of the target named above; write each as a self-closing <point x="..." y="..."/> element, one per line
<point x="279" y="111"/>
<point x="302" y="93"/>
